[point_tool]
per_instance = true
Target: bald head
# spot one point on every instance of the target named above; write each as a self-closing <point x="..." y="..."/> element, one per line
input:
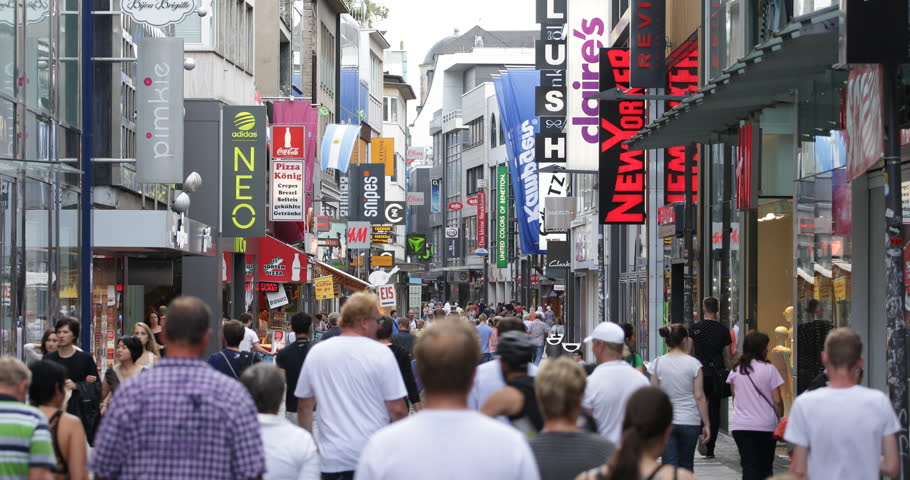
<point x="447" y="354"/>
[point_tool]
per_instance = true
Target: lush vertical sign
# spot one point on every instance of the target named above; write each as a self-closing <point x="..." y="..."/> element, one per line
<point x="243" y="171"/>
<point x="502" y="216"/>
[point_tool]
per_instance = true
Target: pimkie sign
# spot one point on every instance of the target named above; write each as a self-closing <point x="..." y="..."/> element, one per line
<point x="159" y="111"/>
<point x="622" y="171"/>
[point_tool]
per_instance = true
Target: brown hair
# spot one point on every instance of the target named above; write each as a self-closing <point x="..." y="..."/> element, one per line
<point x="711" y="305"/>
<point x="844" y="348"/>
<point x="675" y="334"/>
<point x="560" y="386"/>
<point x="447" y="354"/>
<point x="755" y="347"/>
<point x="648" y="414"/>
<point x="47" y="333"/>
<point x="359" y="307"/>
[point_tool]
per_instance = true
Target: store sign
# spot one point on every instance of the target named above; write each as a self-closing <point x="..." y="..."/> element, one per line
<point x="670" y="220"/>
<point x="383" y="152"/>
<point x="279" y="262"/>
<point x="864" y="119"/>
<point x="415" y="198"/>
<point x="560" y="211"/>
<point x="344" y="189"/>
<point x="159" y="111"/>
<point x="416" y="154"/>
<point x="558" y="255"/>
<point x="682" y="79"/>
<point x="588" y="33"/>
<point x="472" y="201"/>
<point x="436" y="195"/>
<point x="323" y="224"/>
<point x="502" y="216"/>
<point x="451" y="232"/>
<point x="482" y="222"/>
<point x="395" y="212"/>
<point x="244" y="167"/>
<point x="649" y="44"/>
<point x="287" y="141"/>
<point x="386" y="295"/>
<point x="325" y="288"/>
<point x="268" y="287"/>
<point x="287" y="191"/>
<point x="455" y="206"/>
<point x="358" y="235"/>
<point x="277" y="299"/>
<point x="622" y="171"/>
<point x="383" y="260"/>
<point x="550" y="95"/>
<point x="158" y="13"/>
<point x="368" y="189"/>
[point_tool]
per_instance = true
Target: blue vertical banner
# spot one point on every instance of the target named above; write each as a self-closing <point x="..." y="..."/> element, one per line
<point x="515" y="94"/>
<point x="436" y="195"/>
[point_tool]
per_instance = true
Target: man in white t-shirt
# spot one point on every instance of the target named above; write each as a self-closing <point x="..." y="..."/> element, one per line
<point x="250" y="342"/>
<point x="489" y="379"/>
<point x="357" y="384"/>
<point x="465" y="444"/>
<point x="843" y="430"/>
<point x="613" y="381"/>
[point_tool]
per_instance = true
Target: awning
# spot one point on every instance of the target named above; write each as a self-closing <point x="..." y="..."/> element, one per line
<point x="803" y="50"/>
<point x="277" y="261"/>
<point x="149" y="231"/>
<point x="345" y="279"/>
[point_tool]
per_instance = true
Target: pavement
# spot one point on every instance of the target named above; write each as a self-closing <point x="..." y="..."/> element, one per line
<point x="725" y="464"/>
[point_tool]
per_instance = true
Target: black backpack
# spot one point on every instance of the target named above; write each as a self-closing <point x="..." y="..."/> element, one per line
<point x="247" y="360"/>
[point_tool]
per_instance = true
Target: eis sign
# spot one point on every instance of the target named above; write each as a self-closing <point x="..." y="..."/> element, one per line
<point x="622" y="171"/>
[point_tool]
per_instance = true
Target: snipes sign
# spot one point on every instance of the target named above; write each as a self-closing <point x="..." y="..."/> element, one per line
<point x="243" y="171"/>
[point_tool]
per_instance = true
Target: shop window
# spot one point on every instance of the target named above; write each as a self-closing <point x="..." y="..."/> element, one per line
<point x="8" y="284"/>
<point x="7" y="124"/>
<point x="37" y="266"/>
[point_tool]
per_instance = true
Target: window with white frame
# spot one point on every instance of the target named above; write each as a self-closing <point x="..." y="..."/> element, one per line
<point x="473" y="133"/>
<point x="390" y="109"/>
<point x="376" y="77"/>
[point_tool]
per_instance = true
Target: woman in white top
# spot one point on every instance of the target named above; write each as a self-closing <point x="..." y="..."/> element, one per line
<point x="150" y="352"/>
<point x="34" y="353"/>
<point x="679" y="374"/>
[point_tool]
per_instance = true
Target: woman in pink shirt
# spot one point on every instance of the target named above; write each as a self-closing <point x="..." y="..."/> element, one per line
<point x="757" y="405"/>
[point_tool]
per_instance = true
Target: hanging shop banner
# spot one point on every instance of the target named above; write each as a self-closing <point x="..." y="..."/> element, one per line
<point x="244" y="167"/>
<point x="287" y="191"/>
<point x="368" y="192"/>
<point x="333" y="245"/>
<point x="358" y="235"/>
<point x="682" y="80"/>
<point x="383" y="152"/>
<point x="864" y="119"/>
<point x="550" y="95"/>
<point x="394" y="213"/>
<point x="159" y="111"/>
<point x="157" y="14"/>
<point x="559" y="258"/>
<point x="587" y="33"/>
<point x="416" y="154"/>
<point x="622" y="171"/>
<point x="299" y="114"/>
<point x="415" y="198"/>
<point x="560" y="212"/>
<point x="277" y="261"/>
<point x="502" y="216"/>
<point x="416" y="244"/>
<point x="325" y="288"/>
<point x="745" y="194"/>
<point x="513" y="92"/>
<point x="482" y="223"/>
<point x="287" y="141"/>
<point x="649" y="44"/>
<point x="436" y="195"/>
<point x="386" y="295"/>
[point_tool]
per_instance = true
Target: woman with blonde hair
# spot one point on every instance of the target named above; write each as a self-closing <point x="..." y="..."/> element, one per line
<point x="150" y="352"/>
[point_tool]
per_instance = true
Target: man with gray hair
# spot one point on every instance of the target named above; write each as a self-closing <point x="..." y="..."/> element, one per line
<point x="203" y="423"/>
<point x="25" y="442"/>
<point x="290" y="452"/>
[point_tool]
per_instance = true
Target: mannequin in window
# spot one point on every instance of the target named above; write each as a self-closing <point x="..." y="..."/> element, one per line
<point x="782" y="357"/>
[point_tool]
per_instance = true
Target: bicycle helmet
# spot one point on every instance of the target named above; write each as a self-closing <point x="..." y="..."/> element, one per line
<point x="515" y="348"/>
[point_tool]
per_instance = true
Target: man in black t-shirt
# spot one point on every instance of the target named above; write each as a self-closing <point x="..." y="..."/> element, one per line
<point x="290" y="361"/>
<point x="81" y="376"/>
<point x="712" y="348"/>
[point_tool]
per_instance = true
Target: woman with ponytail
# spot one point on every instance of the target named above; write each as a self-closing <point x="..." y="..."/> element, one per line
<point x="646" y="428"/>
<point x="757" y="405"/>
<point x="679" y="375"/>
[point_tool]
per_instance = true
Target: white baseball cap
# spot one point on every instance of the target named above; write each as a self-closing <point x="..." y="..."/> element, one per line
<point x="608" y="332"/>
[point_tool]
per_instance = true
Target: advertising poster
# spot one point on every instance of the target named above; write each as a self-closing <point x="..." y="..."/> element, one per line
<point x="436" y="195"/>
<point x="325" y="288"/>
<point x="368" y="193"/>
<point x="333" y="245"/>
<point x="287" y="191"/>
<point x="244" y="166"/>
<point x="383" y="152"/>
<point x="482" y="219"/>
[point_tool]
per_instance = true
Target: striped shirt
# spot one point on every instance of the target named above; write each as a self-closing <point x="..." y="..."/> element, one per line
<point x="25" y="441"/>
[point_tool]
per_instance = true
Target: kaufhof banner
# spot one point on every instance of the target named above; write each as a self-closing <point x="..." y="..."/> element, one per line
<point x="587" y="32"/>
<point x="622" y="171"/>
<point x="502" y="216"/>
<point x="367" y="199"/>
<point x="244" y="165"/>
<point x="514" y="93"/>
<point x="159" y="111"/>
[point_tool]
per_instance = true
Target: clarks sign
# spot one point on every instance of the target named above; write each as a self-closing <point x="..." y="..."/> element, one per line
<point x="158" y="13"/>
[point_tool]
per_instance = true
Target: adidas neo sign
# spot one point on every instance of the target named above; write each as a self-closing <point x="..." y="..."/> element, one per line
<point x="243" y="122"/>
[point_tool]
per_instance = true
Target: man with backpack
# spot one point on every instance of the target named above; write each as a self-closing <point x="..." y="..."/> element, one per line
<point x="290" y="361"/>
<point x="231" y="361"/>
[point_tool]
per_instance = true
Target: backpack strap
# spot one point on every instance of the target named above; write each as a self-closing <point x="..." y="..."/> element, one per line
<point x="229" y="365"/>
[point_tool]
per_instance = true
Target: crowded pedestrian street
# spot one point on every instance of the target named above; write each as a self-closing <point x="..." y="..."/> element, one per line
<point x="429" y="240"/>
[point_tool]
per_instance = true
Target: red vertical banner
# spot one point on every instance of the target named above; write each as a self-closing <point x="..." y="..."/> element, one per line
<point x="865" y="142"/>
<point x="481" y="219"/>
<point x="682" y="79"/>
<point x="744" y="168"/>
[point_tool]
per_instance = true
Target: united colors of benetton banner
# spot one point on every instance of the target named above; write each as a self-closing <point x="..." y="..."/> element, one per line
<point x="515" y="94"/>
<point x="244" y="164"/>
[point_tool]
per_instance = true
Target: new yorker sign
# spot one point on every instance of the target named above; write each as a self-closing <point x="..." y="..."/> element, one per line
<point x="244" y="164"/>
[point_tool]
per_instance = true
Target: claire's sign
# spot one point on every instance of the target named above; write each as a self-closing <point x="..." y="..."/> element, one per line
<point x="244" y="167"/>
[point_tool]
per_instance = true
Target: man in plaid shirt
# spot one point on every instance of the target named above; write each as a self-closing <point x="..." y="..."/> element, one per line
<point x="181" y="419"/>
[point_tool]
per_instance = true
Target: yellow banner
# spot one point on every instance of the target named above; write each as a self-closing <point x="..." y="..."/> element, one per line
<point x="840" y="289"/>
<point x="384" y="152"/>
<point x="325" y="288"/>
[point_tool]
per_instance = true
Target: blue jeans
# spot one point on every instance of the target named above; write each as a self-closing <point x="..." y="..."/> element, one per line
<point x="680" y="448"/>
<point x="538" y="354"/>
